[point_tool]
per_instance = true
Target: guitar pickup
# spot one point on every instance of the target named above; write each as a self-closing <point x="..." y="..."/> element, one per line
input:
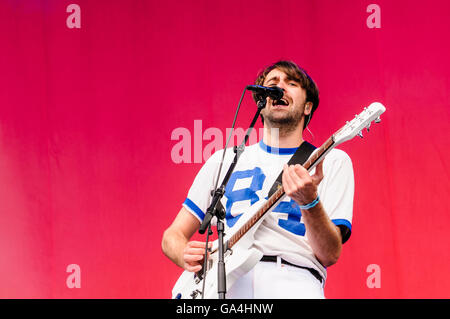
<point x="198" y="276"/>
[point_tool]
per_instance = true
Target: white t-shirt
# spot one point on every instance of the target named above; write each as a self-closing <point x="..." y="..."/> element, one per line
<point x="282" y="232"/>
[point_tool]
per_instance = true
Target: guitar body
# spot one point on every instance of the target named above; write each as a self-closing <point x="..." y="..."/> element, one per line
<point x="239" y="258"/>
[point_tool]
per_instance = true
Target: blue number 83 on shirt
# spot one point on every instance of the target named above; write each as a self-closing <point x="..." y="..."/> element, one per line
<point x="255" y="177"/>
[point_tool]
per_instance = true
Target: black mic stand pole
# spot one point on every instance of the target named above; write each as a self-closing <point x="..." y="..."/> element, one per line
<point x="216" y="208"/>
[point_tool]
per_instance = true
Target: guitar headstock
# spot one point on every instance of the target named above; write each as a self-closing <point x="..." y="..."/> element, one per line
<point x="361" y="121"/>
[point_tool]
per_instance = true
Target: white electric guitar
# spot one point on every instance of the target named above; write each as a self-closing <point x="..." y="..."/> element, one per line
<point x="240" y="256"/>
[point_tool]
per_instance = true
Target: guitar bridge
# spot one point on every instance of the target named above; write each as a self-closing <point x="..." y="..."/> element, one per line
<point x="195" y="293"/>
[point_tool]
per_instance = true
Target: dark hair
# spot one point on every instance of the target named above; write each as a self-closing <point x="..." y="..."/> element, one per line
<point x="299" y="75"/>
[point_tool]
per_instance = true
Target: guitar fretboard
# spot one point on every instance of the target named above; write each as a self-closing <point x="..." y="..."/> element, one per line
<point x="314" y="159"/>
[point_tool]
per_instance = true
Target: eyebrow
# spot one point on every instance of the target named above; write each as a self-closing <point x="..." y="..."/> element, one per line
<point x="276" y="77"/>
<point x="272" y="78"/>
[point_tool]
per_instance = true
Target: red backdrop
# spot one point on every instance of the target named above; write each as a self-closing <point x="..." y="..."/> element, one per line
<point x="87" y="115"/>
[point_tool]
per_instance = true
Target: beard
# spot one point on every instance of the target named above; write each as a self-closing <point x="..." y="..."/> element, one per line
<point x="286" y="122"/>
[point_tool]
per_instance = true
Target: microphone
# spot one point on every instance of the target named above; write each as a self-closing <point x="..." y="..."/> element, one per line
<point x="274" y="92"/>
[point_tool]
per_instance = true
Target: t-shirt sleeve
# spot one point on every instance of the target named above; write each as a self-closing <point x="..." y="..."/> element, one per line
<point x="199" y="196"/>
<point x="337" y="191"/>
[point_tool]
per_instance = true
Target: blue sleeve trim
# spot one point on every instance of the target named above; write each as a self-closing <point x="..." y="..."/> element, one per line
<point x="194" y="208"/>
<point x="345" y="223"/>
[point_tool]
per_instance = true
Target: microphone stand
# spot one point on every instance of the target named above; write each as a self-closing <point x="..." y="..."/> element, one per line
<point x="216" y="207"/>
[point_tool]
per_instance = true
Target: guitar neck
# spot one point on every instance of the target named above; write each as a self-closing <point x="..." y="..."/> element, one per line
<point x="312" y="161"/>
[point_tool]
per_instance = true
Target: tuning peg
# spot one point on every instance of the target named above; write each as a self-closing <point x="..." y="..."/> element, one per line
<point x="368" y="127"/>
<point x="377" y="120"/>
<point x="360" y="134"/>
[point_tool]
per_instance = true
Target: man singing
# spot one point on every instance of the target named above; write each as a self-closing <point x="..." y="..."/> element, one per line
<point x="304" y="234"/>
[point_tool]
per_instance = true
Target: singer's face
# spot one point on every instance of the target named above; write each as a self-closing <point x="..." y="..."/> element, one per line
<point x="290" y="110"/>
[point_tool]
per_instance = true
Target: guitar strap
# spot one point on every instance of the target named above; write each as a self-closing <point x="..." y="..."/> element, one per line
<point x="300" y="156"/>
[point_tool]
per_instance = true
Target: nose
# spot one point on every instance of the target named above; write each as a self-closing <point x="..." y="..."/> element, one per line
<point x="282" y="86"/>
<point x="282" y="89"/>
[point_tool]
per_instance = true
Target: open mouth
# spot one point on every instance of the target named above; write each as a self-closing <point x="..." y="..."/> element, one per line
<point x="281" y="102"/>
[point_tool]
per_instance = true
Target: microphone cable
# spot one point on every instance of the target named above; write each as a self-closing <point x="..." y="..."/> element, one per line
<point x="209" y="232"/>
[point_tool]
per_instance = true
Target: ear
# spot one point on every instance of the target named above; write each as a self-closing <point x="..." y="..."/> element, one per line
<point x="308" y="108"/>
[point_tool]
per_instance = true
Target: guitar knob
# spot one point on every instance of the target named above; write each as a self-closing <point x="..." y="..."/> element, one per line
<point x="378" y="120"/>
<point x="360" y="134"/>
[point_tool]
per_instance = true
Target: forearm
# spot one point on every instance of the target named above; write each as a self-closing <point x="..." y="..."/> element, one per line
<point x="173" y="245"/>
<point x="323" y="236"/>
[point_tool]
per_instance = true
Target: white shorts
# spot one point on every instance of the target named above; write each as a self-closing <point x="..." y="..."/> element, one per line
<point x="270" y="280"/>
